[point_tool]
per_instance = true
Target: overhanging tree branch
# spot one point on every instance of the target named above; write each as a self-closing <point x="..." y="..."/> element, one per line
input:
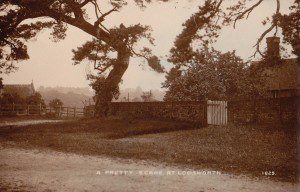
<point x="247" y="11"/>
<point x="274" y="25"/>
<point x="84" y="3"/>
<point x="102" y="17"/>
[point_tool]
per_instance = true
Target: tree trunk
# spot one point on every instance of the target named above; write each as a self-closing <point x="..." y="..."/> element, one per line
<point x="112" y="82"/>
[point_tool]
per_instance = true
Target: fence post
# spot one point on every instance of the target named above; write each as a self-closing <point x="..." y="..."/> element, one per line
<point x="74" y="111"/>
<point x="67" y="111"/>
<point x="40" y="112"/>
<point x="59" y="111"/>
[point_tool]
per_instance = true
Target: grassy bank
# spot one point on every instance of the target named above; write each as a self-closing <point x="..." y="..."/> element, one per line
<point x="236" y="149"/>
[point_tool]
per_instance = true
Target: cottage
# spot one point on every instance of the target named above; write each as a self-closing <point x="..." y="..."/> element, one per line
<point x="23" y="90"/>
<point x="281" y="75"/>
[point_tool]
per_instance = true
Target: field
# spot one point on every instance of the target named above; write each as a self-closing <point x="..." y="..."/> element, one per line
<point x="249" y="150"/>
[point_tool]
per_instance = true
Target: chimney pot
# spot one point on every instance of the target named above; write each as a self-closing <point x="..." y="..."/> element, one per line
<point x="273" y="48"/>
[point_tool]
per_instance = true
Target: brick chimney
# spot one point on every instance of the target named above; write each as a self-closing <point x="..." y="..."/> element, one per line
<point x="273" y="49"/>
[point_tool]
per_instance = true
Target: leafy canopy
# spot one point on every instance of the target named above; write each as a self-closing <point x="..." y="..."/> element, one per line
<point x="213" y="75"/>
<point x="22" y="20"/>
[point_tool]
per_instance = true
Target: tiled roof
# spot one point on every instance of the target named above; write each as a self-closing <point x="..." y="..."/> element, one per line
<point x="282" y="76"/>
<point x="24" y="90"/>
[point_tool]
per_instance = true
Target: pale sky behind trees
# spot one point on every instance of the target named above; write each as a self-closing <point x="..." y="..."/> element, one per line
<point x="50" y="63"/>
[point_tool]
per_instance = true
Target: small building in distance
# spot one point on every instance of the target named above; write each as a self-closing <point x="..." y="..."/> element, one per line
<point x="281" y="75"/>
<point x="23" y="90"/>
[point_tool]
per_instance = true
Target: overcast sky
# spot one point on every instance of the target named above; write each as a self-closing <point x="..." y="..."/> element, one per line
<point x="50" y="63"/>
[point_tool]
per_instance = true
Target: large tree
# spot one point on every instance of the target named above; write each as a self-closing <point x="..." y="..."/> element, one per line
<point x="203" y="27"/>
<point x="214" y="76"/>
<point x="110" y="49"/>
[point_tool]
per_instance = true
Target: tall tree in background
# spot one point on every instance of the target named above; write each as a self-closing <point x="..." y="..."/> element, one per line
<point x="21" y="20"/>
<point x="214" y="76"/>
<point x="147" y="96"/>
<point x="56" y="103"/>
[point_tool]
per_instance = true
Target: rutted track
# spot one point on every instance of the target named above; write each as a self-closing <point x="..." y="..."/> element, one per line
<point x="35" y="170"/>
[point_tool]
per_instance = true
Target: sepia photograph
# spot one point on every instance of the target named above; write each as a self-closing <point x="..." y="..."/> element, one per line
<point x="149" y="95"/>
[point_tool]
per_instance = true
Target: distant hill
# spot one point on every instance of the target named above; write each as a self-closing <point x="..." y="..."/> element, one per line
<point x="135" y="94"/>
<point x="80" y="96"/>
<point x="70" y="96"/>
<point x="78" y="90"/>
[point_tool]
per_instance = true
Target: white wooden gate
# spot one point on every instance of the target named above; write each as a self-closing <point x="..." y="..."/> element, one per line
<point x="217" y="112"/>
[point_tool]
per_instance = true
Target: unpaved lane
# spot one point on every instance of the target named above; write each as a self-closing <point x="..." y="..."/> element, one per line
<point x="34" y="170"/>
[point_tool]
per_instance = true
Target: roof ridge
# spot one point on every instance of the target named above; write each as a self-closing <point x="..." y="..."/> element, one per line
<point x="18" y="84"/>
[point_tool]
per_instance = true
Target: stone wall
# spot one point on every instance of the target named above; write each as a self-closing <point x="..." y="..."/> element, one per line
<point x="264" y="111"/>
<point x="259" y="111"/>
<point x="192" y="112"/>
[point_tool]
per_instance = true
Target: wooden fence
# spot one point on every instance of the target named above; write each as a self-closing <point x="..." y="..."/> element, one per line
<point x="15" y="109"/>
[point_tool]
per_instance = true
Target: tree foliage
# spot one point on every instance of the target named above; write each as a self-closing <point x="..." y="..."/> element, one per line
<point x="203" y="19"/>
<point x="15" y="98"/>
<point x="102" y="55"/>
<point x="56" y="103"/>
<point x="147" y="96"/>
<point x="11" y="98"/>
<point x="290" y="24"/>
<point x="215" y="76"/>
<point x="15" y="32"/>
<point x="203" y="27"/>
<point x="35" y="99"/>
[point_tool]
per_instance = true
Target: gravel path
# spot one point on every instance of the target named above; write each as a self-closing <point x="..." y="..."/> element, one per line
<point x="35" y="170"/>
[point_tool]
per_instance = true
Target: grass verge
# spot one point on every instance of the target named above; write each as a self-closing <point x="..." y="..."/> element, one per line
<point x="249" y="150"/>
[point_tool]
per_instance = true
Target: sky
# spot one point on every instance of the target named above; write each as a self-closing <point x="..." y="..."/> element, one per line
<point x="51" y="64"/>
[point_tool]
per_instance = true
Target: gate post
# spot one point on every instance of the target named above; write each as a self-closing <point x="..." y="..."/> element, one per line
<point x="60" y="114"/>
<point x="205" y="106"/>
<point x="40" y="112"/>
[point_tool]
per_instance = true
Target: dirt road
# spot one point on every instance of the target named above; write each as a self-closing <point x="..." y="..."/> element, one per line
<point x="35" y="170"/>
